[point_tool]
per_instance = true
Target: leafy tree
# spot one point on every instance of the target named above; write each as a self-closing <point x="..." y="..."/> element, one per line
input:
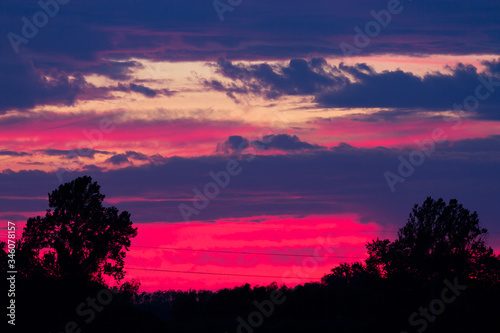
<point x="347" y="273"/>
<point x="79" y="237"/>
<point x="439" y="239"/>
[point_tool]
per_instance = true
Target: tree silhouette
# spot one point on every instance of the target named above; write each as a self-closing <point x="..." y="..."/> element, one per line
<point x="380" y="295"/>
<point x="80" y="237"/>
<point x="347" y="274"/>
<point x="439" y="239"/>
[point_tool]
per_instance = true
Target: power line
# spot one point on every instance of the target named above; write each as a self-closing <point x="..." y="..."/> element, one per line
<point x="224" y="274"/>
<point x="242" y="252"/>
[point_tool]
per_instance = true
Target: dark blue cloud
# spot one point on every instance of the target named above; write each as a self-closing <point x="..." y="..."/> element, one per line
<point x="490" y="144"/>
<point x="22" y="87"/>
<point x="235" y="143"/>
<point x="434" y="91"/>
<point x="344" y="179"/>
<point x="101" y="37"/>
<point x="298" y="77"/>
<point x="281" y="29"/>
<point x="137" y="156"/>
<point x="283" y="142"/>
<point x="79" y="29"/>
<point x="148" y="92"/>
<point x="74" y="153"/>
<point x="360" y="86"/>
<point x="4" y="152"/>
<point x="118" y="159"/>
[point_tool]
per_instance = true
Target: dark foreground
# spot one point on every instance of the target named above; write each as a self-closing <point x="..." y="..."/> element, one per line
<point x="354" y="303"/>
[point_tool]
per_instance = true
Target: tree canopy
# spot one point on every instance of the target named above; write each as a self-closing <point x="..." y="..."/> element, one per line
<point x="79" y="237"/>
<point x="439" y="239"/>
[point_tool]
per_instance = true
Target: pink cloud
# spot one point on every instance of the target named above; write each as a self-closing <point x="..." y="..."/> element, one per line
<point x="369" y="134"/>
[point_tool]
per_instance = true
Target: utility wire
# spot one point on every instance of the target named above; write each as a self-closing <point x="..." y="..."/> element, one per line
<point x="241" y="252"/>
<point x="212" y="273"/>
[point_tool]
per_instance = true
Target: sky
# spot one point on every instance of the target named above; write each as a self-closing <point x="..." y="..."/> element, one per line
<point x="251" y="141"/>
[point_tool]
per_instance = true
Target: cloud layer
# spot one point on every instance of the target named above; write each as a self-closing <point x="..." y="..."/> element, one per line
<point x="344" y="179"/>
<point x="360" y="86"/>
<point x="79" y="40"/>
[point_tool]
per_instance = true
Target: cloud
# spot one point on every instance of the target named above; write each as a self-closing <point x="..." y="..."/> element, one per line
<point x="118" y="159"/>
<point x="148" y="92"/>
<point x="187" y="30"/>
<point x="115" y="70"/>
<point x="344" y="179"/>
<point x="235" y="143"/>
<point x="22" y="87"/>
<point x="137" y="156"/>
<point x="4" y="152"/>
<point x="186" y="136"/>
<point x="298" y="77"/>
<point x="92" y="168"/>
<point x="473" y="146"/>
<point x="112" y="42"/>
<point x="360" y="86"/>
<point x="73" y="153"/>
<point x="28" y="81"/>
<point x="434" y="91"/>
<point x="281" y="142"/>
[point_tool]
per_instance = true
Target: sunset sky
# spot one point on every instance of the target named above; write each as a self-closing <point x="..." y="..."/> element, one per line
<point x="309" y="128"/>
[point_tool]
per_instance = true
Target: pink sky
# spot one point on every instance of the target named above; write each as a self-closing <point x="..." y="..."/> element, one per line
<point x="192" y="122"/>
<point x="313" y="237"/>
